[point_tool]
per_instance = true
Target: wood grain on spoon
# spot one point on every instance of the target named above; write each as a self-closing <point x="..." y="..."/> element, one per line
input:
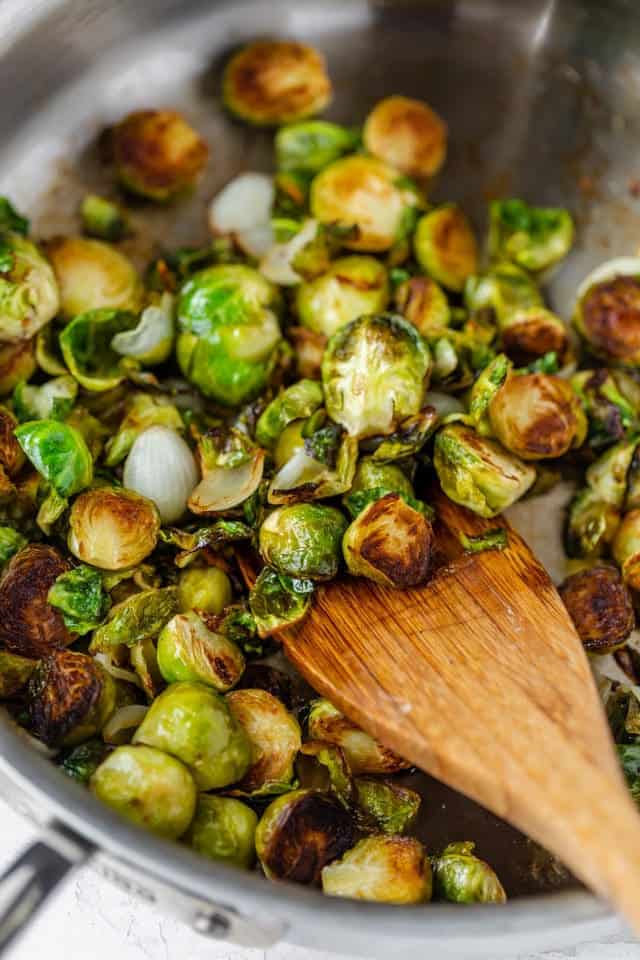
<point x="479" y="678"/>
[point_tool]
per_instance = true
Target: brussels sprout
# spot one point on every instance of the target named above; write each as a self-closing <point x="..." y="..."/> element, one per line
<point x="307" y="148"/>
<point x="11" y="220"/>
<point x="29" y="296"/>
<point x="382" y="869"/>
<point x="300" y="832"/>
<point x="15" y="671"/>
<point x="229" y="333"/>
<point x="157" y="154"/>
<point x="17" y="364"/>
<point x="408" y="439"/>
<point x="53" y="400"/>
<point x="375" y="372"/>
<point x="92" y="275"/>
<point x="273" y="82"/>
<point x="537" y="416"/>
<point x="608" y="477"/>
<point x="29" y="625"/>
<point x="140" y="616"/>
<point x="478" y="473"/>
<point x="112" y="528"/>
<point x="534" y="238"/>
<point x="351" y="287"/>
<point x="59" y="454"/>
<point x="461" y="877"/>
<point x="299" y="400"/>
<point x="70" y="698"/>
<point x="445" y="247"/>
<point x="151" y="341"/>
<point x="391" y="807"/>
<point x="148" y="787"/>
<point x="607" y="311"/>
<point x="193" y="722"/>
<point x="232" y="469"/>
<point x="206" y="538"/>
<point x="390" y="543"/>
<point x="103" y="219"/>
<point x="277" y="601"/>
<point x="81" y="597"/>
<point x="274" y="735"/>
<point x="81" y="762"/>
<point x="224" y="829"/>
<point x="372" y="474"/>
<point x="424" y="304"/>
<point x="204" y="588"/>
<point x="303" y="540"/>
<point x="10" y="542"/>
<point x="11" y="455"/>
<point x="591" y="524"/>
<point x="144" y="661"/>
<point x="365" y="193"/>
<point x="290" y="442"/>
<point x="188" y="650"/>
<point x="600" y="606"/>
<point x="143" y="411"/>
<point x="86" y="345"/>
<point x="335" y="769"/>
<point x="363" y="753"/>
<point x="313" y="473"/>
<point x="609" y="413"/>
<point x="408" y="135"/>
<point x="485" y="388"/>
<point x="626" y="548"/>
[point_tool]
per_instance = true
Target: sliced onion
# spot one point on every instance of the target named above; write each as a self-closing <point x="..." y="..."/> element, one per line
<point x="222" y="487"/>
<point x="443" y="403"/>
<point x="161" y="467"/>
<point x="121" y="721"/>
<point x="276" y="265"/>
<point x="153" y="333"/>
<point x="257" y="241"/>
<point x="245" y="203"/>
<point x="118" y="673"/>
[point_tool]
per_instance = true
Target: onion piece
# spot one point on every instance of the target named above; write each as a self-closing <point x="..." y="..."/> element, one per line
<point x="257" y="241"/>
<point x="116" y="729"/>
<point x="224" y="487"/>
<point x="161" y="467"/>
<point x="243" y="204"/>
<point x="443" y="403"/>
<point x="276" y="265"/>
<point x="118" y="673"/>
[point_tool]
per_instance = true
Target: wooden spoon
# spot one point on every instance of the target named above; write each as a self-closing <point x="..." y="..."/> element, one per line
<point x="479" y="678"/>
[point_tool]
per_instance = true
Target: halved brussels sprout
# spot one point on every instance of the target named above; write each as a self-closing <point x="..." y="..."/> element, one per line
<point x="193" y="722"/>
<point x="11" y="451"/>
<point x="609" y="412"/>
<point x="133" y="620"/>
<point x="607" y="311"/>
<point x="537" y="416"/>
<point x="274" y="735"/>
<point x="103" y="219"/>
<point x="188" y="650"/>
<point x="391" y="807"/>
<point x="17" y="364"/>
<point x="626" y="548"/>
<point x="70" y="698"/>
<point x="408" y="135"/>
<point x="204" y="588"/>
<point x="591" y="524"/>
<point x="300" y="832"/>
<point x="232" y="468"/>
<point x="51" y="401"/>
<point x="224" y="829"/>
<point x="363" y="192"/>
<point x="445" y="247"/>
<point x="373" y="474"/>
<point x="375" y="372"/>
<point x="424" y="304"/>
<point x="307" y="148"/>
<point x="59" y="454"/>
<point x="609" y="476"/>
<point x="81" y="762"/>
<point x="301" y="399"/>
<point x="10" y="542"/>
<point x="157" y="154"/>
<point x="205" y="538"/>
<point x="352" y="287"/>
<point x="143" y="411"/>
<point x="148" y="787"/>
<point x="534" y="238"/>
<point x="363" y="753"/>
<point x="407" y="439"/>
<point x="303" y="540"/>
<point x="311" y="475"/>
<point x="485" y="388"/>
<point x="273" y="82"/>
<point x="290" y="442"/>
<point x="277" y="601"/>
<point x="29" y="625"/>
<point x="600" y="606"/>
<point x="87" y="350"/>
<point x="29" y="296"/>
<point x="390" y="543"/>
<point x="150" y="342"/>
<point x="461" y="877"/>
<point x="229" y="332"/>
<point x="478" y="473"/>
<point x="382" y="869"/>
<point x="112" y="528"/>
<point x="81" y="597"/>
<point x="93" y="275"/>
<point x="15" y="671"/>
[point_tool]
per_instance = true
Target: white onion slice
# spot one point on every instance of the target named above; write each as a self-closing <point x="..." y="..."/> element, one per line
<point x="122" y="720"/>
<point x="276" y="265"/>
<point x="161" y="467"/>
<point x="245" y="203"/>
<point x="444" y="404"/>
<point x="118" y="673"/>
<point x="257" y="241"/>
<point x="222" y="487"/>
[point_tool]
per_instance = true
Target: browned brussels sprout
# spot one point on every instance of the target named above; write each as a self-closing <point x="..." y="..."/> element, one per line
<point x="158" y="155"/>
<point x="424" y="304"/>
<point x="389" y="806"/>
<point x="112" y="528"/>
<point x="71" y="697"/>
<point x="600" y="606"/>
<point x="408" y="135"/>
<point x="607" y="312"/>
<point x="272" y="82"/>
<point x="363" y="753"/>
<point x="274" y="735"/>
<point x="445" y="246"/>
<point x="14" y="673"/>
<point x="29" y="625"/>
<point x="300" y="833"/>
<point x="382" y="869"/>
<point x="17" y="364"/>
<point x="626" y="548"/>
<point x="461" y="877"/>
<point x="11" y="455"/>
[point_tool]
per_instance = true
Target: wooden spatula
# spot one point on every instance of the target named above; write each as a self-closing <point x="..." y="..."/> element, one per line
<point x="479" y="678"/>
